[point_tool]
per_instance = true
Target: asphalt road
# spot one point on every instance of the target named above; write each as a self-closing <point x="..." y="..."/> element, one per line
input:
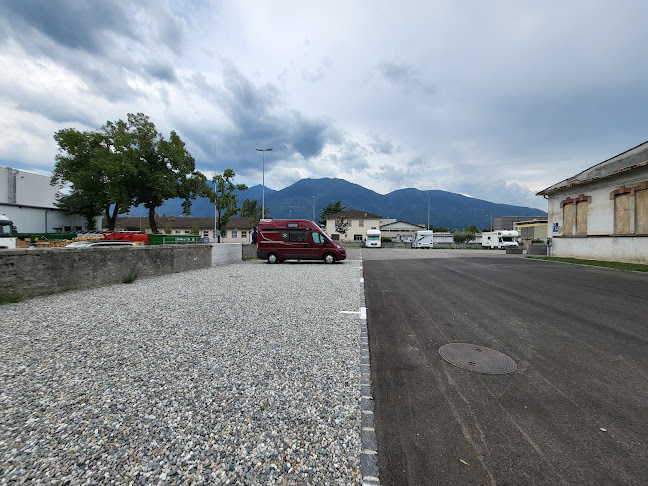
<point x="574" y="412"/>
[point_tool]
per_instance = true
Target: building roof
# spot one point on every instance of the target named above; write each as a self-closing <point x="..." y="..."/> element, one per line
<point x="353" y="214"/>
<point x="401" y="225"/>
<point x="182" y="222"/>
<point x="632" y="159"/>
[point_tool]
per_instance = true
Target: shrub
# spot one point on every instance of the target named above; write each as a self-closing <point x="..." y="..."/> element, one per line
<point x="462" y="236"/>
<point x="132" y="276"/>
<point x="385" y="239"/>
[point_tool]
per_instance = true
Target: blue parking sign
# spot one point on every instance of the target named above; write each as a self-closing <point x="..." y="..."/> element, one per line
<point x="555" y="227"/>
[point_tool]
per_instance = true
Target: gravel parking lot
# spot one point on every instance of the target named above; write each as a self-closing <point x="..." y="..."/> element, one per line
<point x="238" y="374"/>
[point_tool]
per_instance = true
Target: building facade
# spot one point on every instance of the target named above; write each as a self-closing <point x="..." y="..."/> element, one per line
<point x="29" y="199"/>
<point x="399" y="231"/>
<point x="351" y="225"/>
<point x="237" y="230"/>
<point x="602" y="212"/>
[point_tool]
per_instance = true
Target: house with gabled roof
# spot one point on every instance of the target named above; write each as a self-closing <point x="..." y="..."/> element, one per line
<point x="351" y="225"/>
<point x="601" y="213"/>
<point x="399" y="230"/>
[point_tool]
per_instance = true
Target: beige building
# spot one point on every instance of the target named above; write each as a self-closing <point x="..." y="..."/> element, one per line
<point x="351" y="225"/>
<point x="400" y="231"/>
<point x="535" y="229"/>
<point x="602" y="212"/>
<point x="238" y="230"/>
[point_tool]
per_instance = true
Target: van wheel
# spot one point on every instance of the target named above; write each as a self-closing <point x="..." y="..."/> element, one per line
<point x="273" y="258"/>
<point x="329" y="258"/>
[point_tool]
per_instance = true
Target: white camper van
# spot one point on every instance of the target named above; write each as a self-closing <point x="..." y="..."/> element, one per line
<point x="373" y="238"/>
<point x="423" y="239"/>
<point x="500" y="239"/>
<point x="7" y="233"/>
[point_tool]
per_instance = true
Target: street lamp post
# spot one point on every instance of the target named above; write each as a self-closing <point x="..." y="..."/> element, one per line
<point x="428" y="226"/>
<point x="313" y="208"/>
<point x="216" y="233"/>
<point x="263" y="151"/>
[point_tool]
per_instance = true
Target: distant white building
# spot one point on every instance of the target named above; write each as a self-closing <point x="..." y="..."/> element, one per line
<point x="29" y="200"/>
<point x="400" y="231"/>
<point x="602" y="212"/>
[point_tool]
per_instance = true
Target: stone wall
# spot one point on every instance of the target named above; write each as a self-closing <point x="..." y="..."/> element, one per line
<point x="42" y="271"/>
<point x="249" y="251"/>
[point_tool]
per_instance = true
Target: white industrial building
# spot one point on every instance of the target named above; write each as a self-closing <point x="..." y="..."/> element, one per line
<point x="29" y="199"/>
<point x="602" y="212"/>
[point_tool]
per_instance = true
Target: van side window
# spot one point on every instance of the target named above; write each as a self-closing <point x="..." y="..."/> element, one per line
<point x="294" y="236"/>
<point x="318" y="238"/>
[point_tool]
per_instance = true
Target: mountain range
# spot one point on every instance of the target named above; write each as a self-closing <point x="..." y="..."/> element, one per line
<point x="309" y="196"/>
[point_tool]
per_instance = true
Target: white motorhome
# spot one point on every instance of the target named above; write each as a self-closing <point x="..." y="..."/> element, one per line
<point x="423" y="239"/>
<point x="500" y="239"/>
<point x="373" y="238"/>
<point x="7" y="233"/>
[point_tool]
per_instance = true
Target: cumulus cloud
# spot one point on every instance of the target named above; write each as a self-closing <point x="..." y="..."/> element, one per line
<point x="515" y="96"/>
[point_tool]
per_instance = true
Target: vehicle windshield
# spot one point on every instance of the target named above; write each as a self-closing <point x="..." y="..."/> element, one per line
<point x="6" y="229"/>
<point x="373" y="237"/>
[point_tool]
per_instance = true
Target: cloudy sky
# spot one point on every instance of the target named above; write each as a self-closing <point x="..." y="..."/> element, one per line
<point x="492" y="99"/>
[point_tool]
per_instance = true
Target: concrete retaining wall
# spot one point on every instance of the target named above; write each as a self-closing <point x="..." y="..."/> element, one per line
<point x="249" y="251"/>
<point x="226" y="253"/>
<point x="42" y="271"/>
<point x="537" y="249"/>
<point x="629" y="249"/>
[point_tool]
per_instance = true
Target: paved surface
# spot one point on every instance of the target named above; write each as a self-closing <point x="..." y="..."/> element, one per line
<point x="574" y="412"/>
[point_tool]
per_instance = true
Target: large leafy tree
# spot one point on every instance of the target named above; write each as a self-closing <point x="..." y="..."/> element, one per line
<point x="224" y="198"/>
<point x="330" y="208"/>
<point x="122" y="164"/>
<point x="252" y="209"/>
<point x="165" y="168"/>
<point x="96" y="171"/>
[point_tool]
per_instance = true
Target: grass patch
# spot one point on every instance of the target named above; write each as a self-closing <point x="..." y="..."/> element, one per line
<point x="10" y="298"/>
<point x="632" y="267"/>
<point x="247" y="259"/>
<point x="132" y="276"/>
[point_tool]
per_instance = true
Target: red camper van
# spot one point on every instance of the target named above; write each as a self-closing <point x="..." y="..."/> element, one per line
<point x="295" y="239"/>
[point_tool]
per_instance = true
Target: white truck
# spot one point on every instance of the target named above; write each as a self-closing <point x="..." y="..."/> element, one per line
<point x="7" y="233"/>
<point x="500" y="239"/>
<point x="373" y="238"/>
<point x="423" y="239"/>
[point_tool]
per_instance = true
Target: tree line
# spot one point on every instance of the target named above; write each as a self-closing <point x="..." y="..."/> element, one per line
<point x="129" y="163"/>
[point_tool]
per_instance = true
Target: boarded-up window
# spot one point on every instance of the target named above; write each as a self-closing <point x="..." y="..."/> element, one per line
<point x="622" y="214"/>
<point x="568" y="219"/>
<point x="581" y="217"/>
<point x="641" y="212"/>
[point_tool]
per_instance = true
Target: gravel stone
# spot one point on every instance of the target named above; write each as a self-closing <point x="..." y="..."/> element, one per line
<point x="246" y="373"/>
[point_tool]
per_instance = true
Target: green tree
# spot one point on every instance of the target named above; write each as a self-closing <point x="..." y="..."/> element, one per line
<point x="330" y="208"/>
<point x="96" y="172"/>
<point x="195" y="229"/>
<point x="78" y="202"/>
<point x="462" y="236"/>
<point x="224" y="198"/>
<point x="472" y="229"/>
<point x="165" y="168"/>
<point x="252" y="209"/>
<point x="126" y="163"/>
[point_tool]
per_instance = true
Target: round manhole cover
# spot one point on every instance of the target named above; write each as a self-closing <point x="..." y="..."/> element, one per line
<point x="477" y="358"/>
